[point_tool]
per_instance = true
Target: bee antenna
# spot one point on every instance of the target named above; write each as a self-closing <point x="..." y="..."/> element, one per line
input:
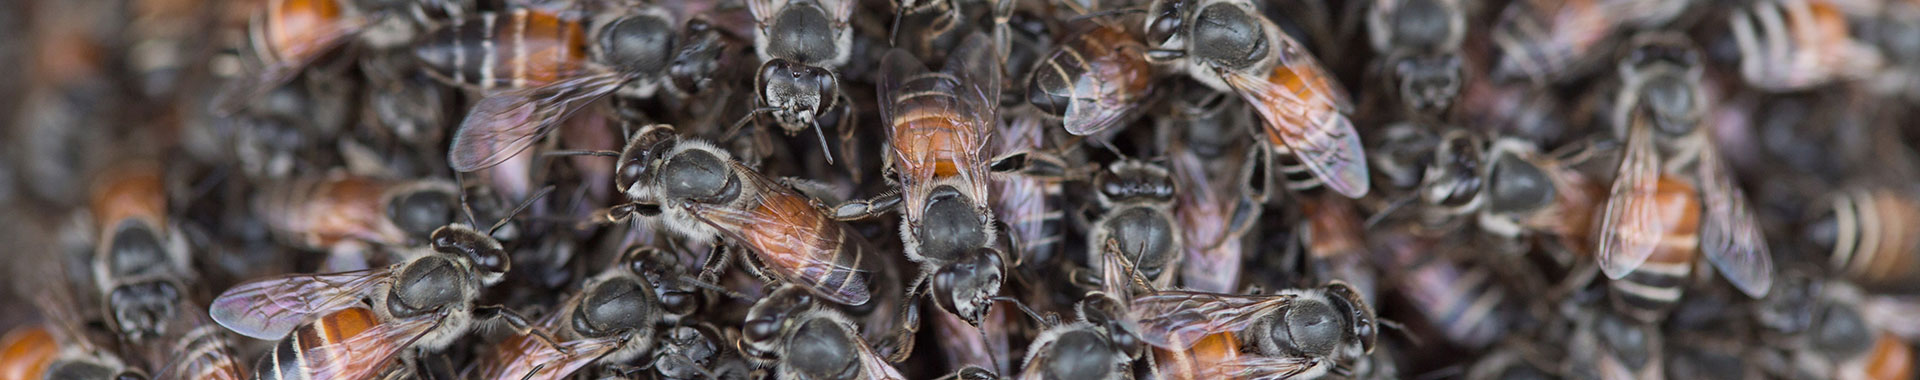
<point x="824" y="150"/>
<point x="1391" y="208"/>
<point x="460" y="181"/>
<point x="696" y="282"/>
<point x="1401" y="328"/>
<point x="1023" y="307"/>
<point x="893" y="32"/>
<point x="517" y="209"/>
<point x="735" y="129"/>
<point x="536" y="369"/>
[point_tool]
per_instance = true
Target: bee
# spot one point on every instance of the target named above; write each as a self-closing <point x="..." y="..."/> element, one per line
<point x="61" y="346"/>
<point x="1845" y="341"/>
<point x="1228" y="46"/>
<point x="1672" y="197"/>
<point x="1545" y="41"/>
<point x="1510" y="188"/>
<point x="1093" y="81"/>
<point x="1467" y="303"/>
<point x="801" y="44"/>
<point x="1421" y="41"/>
<point x="1789" y="45"/>
<point x="547" y="65"/>
<point x="1223" y="183"/>
<point x="1863" y="231"/>
<point x="1608" y="346"/>
<point x="1076" y="350"/>
<point x="201" y="350"/>
<point x="612" y="319"/>
<point x="1030" y="207"/>
<point x="346" y="214"/>
<point x="1137" y="199"/>
<point x="1303" y="333"/>
<point x="140" y="264"/>
<point x="939" y="128"/>
<point x="426" y="302"/>
<point x="688" y="352"/>
<point x="800" y="339"/>
<point x="288" y="36"/>
<point x="699" y="192"/>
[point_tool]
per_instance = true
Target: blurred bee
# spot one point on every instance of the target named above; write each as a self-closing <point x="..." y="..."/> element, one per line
<point x="287" y="36"/>
<point x="426" y="302"/>
<point x="1790" y="45"/>
<point x="547" y="65"/>
<point x="801" y="44"/>
<point x="1421" y="41"/>
<point x="1093" y="81"/>
<point x="939" y="128"/>
<point x="1466" y="303"/>
<point x="347" y="214"/>
<point x="1510" y="188"/>
<point x="1846" y="342"/>
<point x="1607" y="346"/>
<point x="801" y="340"/>
<point x="1136" y="215"/>
<point x="611" y="320"/>
<point x="140" y="258"/>
<point x="1545" y="41"/>
<point x="60" y="347"/>
<point x="700" y="192"/>
<point x="1864" y="230"/>
<point x="1672" y="197"/>
<point x="1228" y="46"/>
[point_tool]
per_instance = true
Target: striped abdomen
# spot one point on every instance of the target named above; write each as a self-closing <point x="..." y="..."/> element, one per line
<point x="1202" y="360"/>
<point x="516" y="49"/>
<point x="1651" y="290"/>
<point x="927" y="129"/>
<point x="296" y="30"/>
<point x="1030" y="206"/>
<point x="1463" y="301"/>
<point x="290" y="358"/>
<point x="319" y="212"/>
<point x="822" y="254"/>
<point x="26" y="352"/>
<point x="1103" y="69"/>
<point x="204" y="353"/>
<point x="1873" y="238"/>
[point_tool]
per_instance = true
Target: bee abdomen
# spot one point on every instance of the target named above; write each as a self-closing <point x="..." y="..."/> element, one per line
<point x="1651" y="290"/>
<point x="290" y="360"/>
<point x="1872" y="243"/>
<point x="521" y="48"/>
<point x="1294" y="173"/>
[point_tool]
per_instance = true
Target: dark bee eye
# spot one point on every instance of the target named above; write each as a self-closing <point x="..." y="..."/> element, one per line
<point x="761" y="330"/>
<point x="632" y="170"/>
<point x="1167" y="23"/>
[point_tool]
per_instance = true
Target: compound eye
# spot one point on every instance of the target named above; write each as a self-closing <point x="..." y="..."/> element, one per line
<point x="761" y="330"/>
<point x="493" y="261"/>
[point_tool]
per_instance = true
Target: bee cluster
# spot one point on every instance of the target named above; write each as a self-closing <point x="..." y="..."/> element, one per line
<point x="960" y="189"/>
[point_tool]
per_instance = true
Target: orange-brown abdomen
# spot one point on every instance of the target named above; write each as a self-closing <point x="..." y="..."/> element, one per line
<point x="317" y="213"/>
<point x="515" y="49"/>
<point x="1201" y="360"/>
<point x="1874" y="243"/>
<point x="132" y="191"/>
<point x="1650" y="290"/>
<point x="290" y="358"/>
<point x="1890" y="359"/>
<point x="25" y="353"/>
<point x="295" y="30"/>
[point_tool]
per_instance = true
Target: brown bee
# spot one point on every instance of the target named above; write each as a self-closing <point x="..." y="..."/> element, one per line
<point x="1228" y="46"/>
<point x="1865" y="231"/>
<point x="1550" y="40"/>
<point x="1095" y="80"/>
<point x="1671" y="183"/>
<point x="1510" y="188"/>
<point x="800" y="339"/>
<point x="59" y="347"/>
<point x="1788" y="45"/>
<point x="549" y="65"/>
<point x="1421" y="40"/>
<point x="347" y="214"/>
<point x="801" y="44"/>
<point x="140" y="259"/>
<point x="611" y="320"/>
<point x="289" y="35"/>
<point x="1298" y="333"/>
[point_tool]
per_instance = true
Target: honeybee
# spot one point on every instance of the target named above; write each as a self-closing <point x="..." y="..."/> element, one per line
<point x="1607" y="346"/>
<point x="1030" y="207"/>
<point x="1304" y="333"/>
<point x="700" y="192"/>
<point x="347" y="214"/>
<point x="203" y="352"/>
<point x="1228" y="46"/>
<point x="1864" y="232"/>
<point x="1789" y="45"/>
<point x="60" y="347"/>
<point x="1421" y="40"/>
<point x="802" y="340"/>
<point x="1222" y="183"/>
<point x="426" y="302"/>
<point x="801" y="44"/>
<point x="1095" y="80"/>
<point x="1075" y="350"/>
<point x="1466" y="303"/>
<point x="939" y="128"/>
<point x="1510" y="188"/>
<point x="547" y="65"/>
<point x="287" y="36"/>
<point x="1672" y="196"/>
<point x="611" y="320"/>
<point x="1545" y="41"/>
<point x="1136" y="200"/>
<point x="1847" y="341"/>
<point x="140" y="260"/>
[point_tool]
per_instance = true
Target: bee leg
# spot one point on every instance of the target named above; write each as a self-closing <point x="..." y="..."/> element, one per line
<point x="867" y="208"/>
<point x="1032" y="163"/>
<point x="900" y="341"/>
<point x="519" y="324"/>
<point x="716" y="262"/>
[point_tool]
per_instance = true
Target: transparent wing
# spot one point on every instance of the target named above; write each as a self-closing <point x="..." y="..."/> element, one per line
<point x="269" y="309"/>
<point x="503" y="124"/>
<point x="1261" y="367"/>
<point x="1102" y="100"/>
<point x="527" y="353"/>
<point x="875" y="367"/>
<point x="976" y="65"/>
<point x="1730" y="236"/>
<point x="896" y="69"/>
<point x="1176" y="319"/>
<point x="1309" y="123"/>
<point x="1630" y="225"/>
<point x="792" y="237"/>
<point x="367" y="353"/>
